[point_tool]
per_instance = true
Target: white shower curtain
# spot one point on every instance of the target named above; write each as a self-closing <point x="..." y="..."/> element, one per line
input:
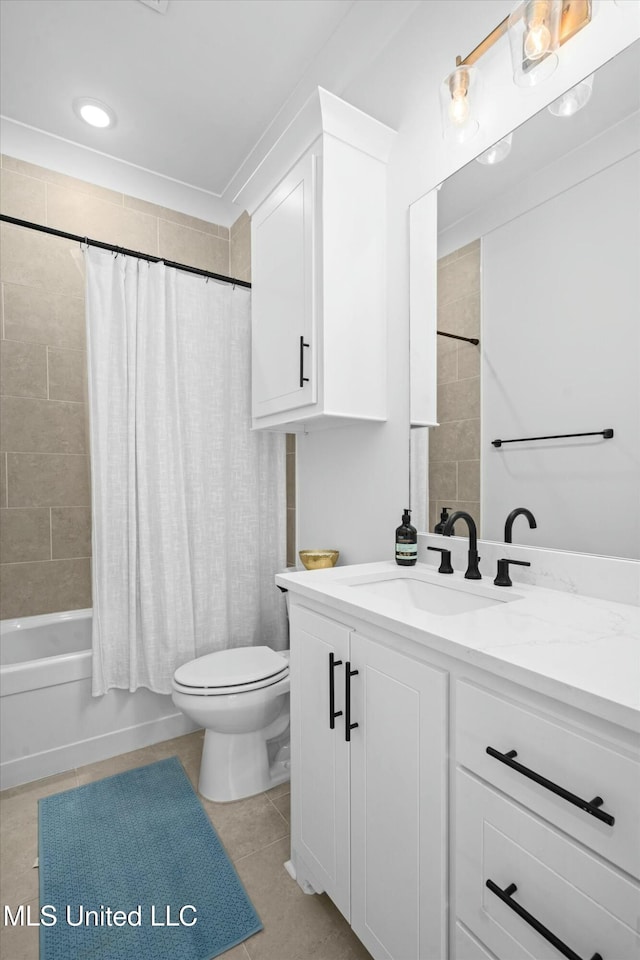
<point x="188" y="502"/>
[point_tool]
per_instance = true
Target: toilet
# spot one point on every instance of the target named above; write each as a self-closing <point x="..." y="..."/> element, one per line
<point x="241" y="698"/>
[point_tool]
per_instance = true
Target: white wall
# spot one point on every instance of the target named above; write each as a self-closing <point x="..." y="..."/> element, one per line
<point x="354" y="483"/>
<point x="561" y="354"/>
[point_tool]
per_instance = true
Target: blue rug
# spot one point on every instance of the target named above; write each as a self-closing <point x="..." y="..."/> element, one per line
<point x="141" y="844"/>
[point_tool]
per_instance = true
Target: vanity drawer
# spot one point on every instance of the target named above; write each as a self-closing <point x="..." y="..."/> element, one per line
<point x="589" y="906"/>
<point x="565" y="758"/>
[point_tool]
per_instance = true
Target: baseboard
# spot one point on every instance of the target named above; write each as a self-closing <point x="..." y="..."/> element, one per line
<point x="59" y="760"/>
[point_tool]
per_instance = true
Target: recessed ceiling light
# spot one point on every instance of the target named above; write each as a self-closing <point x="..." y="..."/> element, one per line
<point x="94" y="112"/>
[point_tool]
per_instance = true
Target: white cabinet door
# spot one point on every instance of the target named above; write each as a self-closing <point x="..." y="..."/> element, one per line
<point x="398" y="803"/>
<point x="283" y="302"/>
<point x="319" y="755"/>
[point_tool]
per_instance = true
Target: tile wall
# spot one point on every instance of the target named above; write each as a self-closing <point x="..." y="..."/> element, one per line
<point x="45" y="526"/>
<point x="454" y="446"/>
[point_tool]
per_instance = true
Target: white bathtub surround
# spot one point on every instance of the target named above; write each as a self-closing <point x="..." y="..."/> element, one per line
<point x="188" y="503"/>
<point x="579" y="649"/>
<point x="49" y="722"/>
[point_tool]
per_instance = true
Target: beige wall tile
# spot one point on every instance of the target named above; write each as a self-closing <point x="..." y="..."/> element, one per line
<point x="291" y="442"/>
<point x="468" y="361"/>
<point x="3" y="480"/>
<point x="45" y="587"/>
<point x="174" y="216"/>
<point x="37" y="315"/>
<point x="100" y="219"/>
<point x="24" y="535"/>
<point x="291" y="480"/>
<point x="456" y="440"/>
<point x="459" y="400"/>
<point x="443" y="480"/>
<point x="48" y="480"/>
<point x="469" y="479"/>
<point x="196" y="249"/>
<point x="243" y="220"/>
<point x="433" y="515"/>
<point x="67" y="374"/>
<point x="447" y="361"/>
<point x="23" y="369"/>
<point x="223" y="232"/>
<point x="70" y="532"/>
<point x="461" y="316"/>
<point x="42" y="426"/>
<point x="458" y="279"/>
<point x="39" y="260"/>
<point x="240" y="253"/>
<point x="51" y="176"/>
<point x="22" y="197"/>
<point x="471" y="249"/>
<point x="292" y="556"/>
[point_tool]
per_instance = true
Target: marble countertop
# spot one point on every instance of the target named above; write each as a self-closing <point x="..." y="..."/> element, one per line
<point x="577" y="649"/>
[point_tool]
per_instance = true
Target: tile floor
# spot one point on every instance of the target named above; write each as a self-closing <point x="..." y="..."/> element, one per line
<point x="255" y="833"/>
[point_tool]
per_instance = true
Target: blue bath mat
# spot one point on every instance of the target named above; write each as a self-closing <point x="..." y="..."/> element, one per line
<point x="141" y="844"/>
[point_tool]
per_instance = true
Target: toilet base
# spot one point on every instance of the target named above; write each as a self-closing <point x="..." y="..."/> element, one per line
<point x="237" y="766"/>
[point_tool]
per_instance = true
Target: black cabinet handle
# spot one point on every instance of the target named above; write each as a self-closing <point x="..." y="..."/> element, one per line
<point x="505" y="896"/>
<point x="348" y="726"/>
<point x="333" y="713"/>
<point x="590" y="806"/>
<point x="303" y="379"/>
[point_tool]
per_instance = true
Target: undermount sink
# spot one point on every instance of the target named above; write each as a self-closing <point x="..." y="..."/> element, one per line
<point x="442" y="600"/>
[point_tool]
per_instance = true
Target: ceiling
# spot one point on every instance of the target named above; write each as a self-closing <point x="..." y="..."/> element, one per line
<point x="193" y="89"/>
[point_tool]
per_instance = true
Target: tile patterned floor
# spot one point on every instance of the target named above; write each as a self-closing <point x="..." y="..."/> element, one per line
<point x="255" y="833"/>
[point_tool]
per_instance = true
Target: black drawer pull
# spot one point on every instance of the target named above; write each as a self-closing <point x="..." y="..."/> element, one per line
<point x="303" y="379"/>
<point x="505" y="896"/>
<point x="348" y="726"/>
<point x="333" y="713"/>
<point x="590" y="806"/>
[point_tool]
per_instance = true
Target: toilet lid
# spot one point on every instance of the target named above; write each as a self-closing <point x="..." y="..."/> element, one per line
<point x="232" y="668"/>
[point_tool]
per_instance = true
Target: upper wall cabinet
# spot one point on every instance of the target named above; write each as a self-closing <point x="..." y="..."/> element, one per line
<point x="318" y="243"/>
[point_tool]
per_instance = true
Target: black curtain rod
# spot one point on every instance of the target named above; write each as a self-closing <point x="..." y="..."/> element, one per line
<point x="456" y="336"/>
<point x="607" y="434"/>
<point x="122" y="250"/>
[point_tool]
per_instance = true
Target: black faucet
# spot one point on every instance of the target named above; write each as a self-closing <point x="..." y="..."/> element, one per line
<point x="512" y="516"/>
<point x="472" y="568"/>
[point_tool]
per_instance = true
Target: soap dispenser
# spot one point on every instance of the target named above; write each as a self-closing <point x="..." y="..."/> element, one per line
<point x="444" y="516"/>
<point x="406" y="542"/>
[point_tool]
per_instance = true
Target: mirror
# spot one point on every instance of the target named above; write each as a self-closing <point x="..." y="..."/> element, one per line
<point x="539" y="260"/>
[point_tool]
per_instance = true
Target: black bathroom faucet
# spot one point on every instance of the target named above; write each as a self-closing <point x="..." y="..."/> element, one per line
<point x="472" y="568"/>
<point x="512" y="516"/>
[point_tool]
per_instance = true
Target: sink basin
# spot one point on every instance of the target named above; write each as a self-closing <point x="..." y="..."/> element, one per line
<point x="423" y="595"/>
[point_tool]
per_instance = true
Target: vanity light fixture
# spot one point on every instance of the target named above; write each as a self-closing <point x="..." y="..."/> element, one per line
<point x="498" y="152"/>
<point x="94" y="112"/>
<point x="458" y="100"/>
<point x="536" y="28"/>
<point x="573" y="100"/>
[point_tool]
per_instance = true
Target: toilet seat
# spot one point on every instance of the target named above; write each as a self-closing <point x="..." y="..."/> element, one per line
<point x="238" y="670"/>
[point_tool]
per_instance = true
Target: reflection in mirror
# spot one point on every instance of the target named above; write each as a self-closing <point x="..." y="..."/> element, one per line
<point x="538" y="258"/>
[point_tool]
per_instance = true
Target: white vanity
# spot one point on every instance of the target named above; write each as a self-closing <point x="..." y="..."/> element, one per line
<point x="466" y="763"/>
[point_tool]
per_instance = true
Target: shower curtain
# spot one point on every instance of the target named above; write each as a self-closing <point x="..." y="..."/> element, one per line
<point x="188" y="502"/>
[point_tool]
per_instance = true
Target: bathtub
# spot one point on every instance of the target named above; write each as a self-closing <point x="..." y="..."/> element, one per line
<point x="49" y="721"/>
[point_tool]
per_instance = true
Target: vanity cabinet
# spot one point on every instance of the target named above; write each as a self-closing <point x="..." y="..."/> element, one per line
<point x="450" y="812"/>
<point x="547" y="834"/>
<point x="318" y="247"/>
<point x="368" y="739"/>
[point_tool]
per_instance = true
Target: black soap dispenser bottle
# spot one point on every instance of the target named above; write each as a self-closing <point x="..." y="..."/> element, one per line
<point x="406" y="542"/>
<point x="444" y="516"/>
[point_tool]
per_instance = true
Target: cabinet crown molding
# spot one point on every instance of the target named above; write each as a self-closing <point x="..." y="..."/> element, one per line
<point x="322" y="115"/>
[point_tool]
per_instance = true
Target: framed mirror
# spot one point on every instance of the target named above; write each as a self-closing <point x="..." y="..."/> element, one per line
<point x="538" y="260"/>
